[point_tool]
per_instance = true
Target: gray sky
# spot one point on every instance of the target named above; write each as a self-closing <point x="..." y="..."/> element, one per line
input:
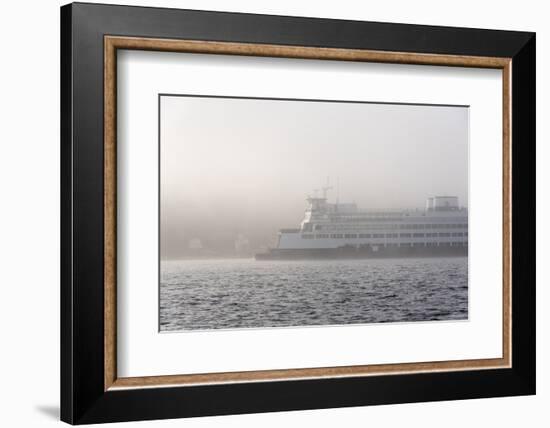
<point x="241" y="166"/>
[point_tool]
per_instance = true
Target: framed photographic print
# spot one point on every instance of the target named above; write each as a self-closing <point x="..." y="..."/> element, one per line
<point x="265" y="213"/>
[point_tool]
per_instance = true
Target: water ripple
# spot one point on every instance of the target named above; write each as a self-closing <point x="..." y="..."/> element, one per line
<point x="215" y="294"/>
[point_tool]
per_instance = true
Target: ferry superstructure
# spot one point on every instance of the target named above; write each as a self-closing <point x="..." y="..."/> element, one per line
<point x="343" y="230"/>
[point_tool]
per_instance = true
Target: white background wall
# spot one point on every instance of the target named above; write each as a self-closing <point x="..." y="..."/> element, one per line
<point x="29" y="215"/>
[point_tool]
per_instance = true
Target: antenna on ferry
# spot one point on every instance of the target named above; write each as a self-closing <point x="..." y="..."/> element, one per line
<point x="326" y="189"/>
<point x="337" y="190"/>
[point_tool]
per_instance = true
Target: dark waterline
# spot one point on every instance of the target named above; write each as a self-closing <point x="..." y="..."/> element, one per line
<point x="244" y="293"/>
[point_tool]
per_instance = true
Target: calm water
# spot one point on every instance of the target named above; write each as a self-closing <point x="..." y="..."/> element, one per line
<point x="237" y="293"/>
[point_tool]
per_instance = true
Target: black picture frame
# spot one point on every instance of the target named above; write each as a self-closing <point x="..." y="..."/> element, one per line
<point x="83" y="396"/>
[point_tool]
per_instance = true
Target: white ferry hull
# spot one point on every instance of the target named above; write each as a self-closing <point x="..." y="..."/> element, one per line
<point x="457" y="250"/>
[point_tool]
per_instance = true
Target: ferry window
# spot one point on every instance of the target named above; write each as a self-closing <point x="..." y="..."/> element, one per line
<point x="444" y="235"/>
<point x="391" y="235"/>
<point x="405" y="235"/>
<point x="364" y="235"/>
<point x="418" y="235"/>
<point x="350" y="235"/>
<point x="336" y="235"/>
<point x="457" y="234"/>
<point x="377" y="235"/>
<point x="308" y="236"/>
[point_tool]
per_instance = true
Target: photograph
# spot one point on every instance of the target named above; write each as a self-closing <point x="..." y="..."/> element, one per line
<point x="267" y="211"/>
<point x="295" y="213"/>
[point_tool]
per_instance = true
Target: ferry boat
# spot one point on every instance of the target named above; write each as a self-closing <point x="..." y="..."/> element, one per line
<point x="342" y="230"/>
